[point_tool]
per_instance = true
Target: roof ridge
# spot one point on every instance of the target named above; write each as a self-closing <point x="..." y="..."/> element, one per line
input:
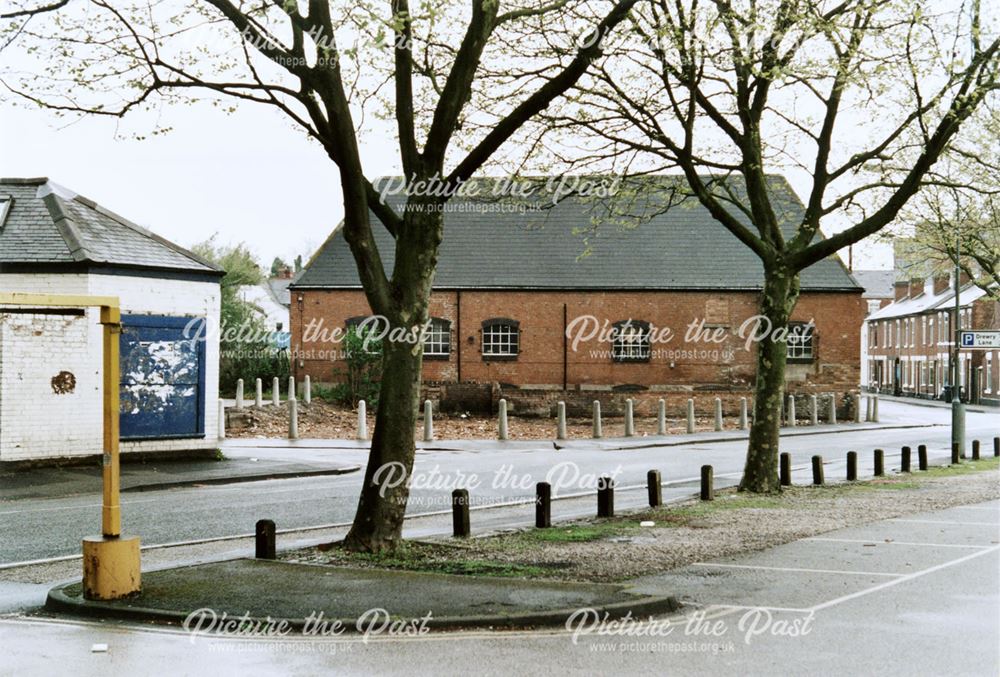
<point x="67" y="228"/>
<point x="145" y="232"/>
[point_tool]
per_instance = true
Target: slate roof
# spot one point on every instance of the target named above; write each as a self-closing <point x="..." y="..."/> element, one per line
<point x="652" y="237"/>
<point x="878" y="284"/>
<point x="47" y="224"/>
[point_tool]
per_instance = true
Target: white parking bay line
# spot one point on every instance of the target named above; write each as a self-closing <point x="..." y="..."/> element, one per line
<point x="884" y="542"/>
<point x="970" y="524"/>
<point x="904" y="578"/>
<point x="797" y="569"/>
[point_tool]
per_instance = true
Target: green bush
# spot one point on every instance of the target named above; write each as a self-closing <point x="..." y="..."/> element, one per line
<point x="363" y="374"/>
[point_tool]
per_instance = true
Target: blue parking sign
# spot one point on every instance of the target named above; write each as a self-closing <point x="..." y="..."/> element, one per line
<point x="968" y="339"/>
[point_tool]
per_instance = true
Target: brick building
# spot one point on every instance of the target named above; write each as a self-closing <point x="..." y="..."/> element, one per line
<point x="55" y="242"/>
<point x="571" y="301"/>
<point x="910" y="342"/>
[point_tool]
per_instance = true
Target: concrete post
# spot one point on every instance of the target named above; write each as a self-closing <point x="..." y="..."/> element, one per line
<point x="868" y="409"/>
<point x="813" y="409"/>
<point x="661" y="417"/>
<point x="791" y="411"/>
<point x="629" y="421"/>
<point x="833" y="408"/>
<point x="690" y="416"/>
<point x="718" y="413"/>
<point x="291" y="388"/>
<point x="598" y="434"/>
<point x="222" y="420"/>
<point x="503" y="420"/>
<point x="428" y="421"/>
<point x="275" y="391"/>
<point x="743" y="413"/>
<point x="875" y="408"/>
<point x="293" y="420"/>
<point x="362" y="421"/>
<point x="561" y="421"/>
<point x="857" y="408"/>
<point x="307" y="390"/>
<point x="258" y="398"/>
<point x="239" y="393"/>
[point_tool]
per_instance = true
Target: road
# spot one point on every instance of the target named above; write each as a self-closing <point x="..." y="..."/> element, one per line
<point x="34" y="528"/>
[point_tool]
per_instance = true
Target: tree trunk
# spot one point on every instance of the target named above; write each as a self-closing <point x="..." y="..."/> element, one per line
<point x="781" y="291"/>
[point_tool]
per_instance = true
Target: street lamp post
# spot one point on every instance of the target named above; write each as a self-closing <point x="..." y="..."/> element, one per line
<point x="957" y="411"/>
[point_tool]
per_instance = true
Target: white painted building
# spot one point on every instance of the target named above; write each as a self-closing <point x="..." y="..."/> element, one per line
<point x="55" y="242"/>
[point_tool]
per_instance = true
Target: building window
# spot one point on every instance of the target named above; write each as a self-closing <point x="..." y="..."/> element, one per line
<point x="930" y="332"/>
<point x="988" y="384"/>
<point x="630" y="341"/>
<point x="501" y="339"/>
<point x="801" y="342"/>
<point x="437" y="339"/>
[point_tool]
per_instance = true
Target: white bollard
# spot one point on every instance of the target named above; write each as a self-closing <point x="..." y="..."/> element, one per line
<point x="258" y="400"/>
<point x="813" y="409"/>
<point x="718" y="413"/>
<point x="561" y="421"/>
<point x="428" y="421"/>
<point x="239" y="393"/>
<point x="791" y="411"/>
<point x="690" y="416"/>
<point x="275" y="391"/>
<point x="875" y="408"/>
<point x="598" y="432"/>
<point x="291" y="388"/>
<point x="629" y="418"/>
<point x="857" y="408"/>
<point x="222" y="420"/>
<point x="307" y="390"/>
<point x="502" y="432"/>
<point x="293" y="420"/>
<point x="743" y="413"/>
<point x="661" y="418"/>
<point x="833" y="408"/>
<point x="362" y="420"/>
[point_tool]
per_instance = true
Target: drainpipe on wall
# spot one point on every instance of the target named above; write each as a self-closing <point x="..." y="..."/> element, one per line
<point x="458" y="334"/>
<point x="565" y="348"/>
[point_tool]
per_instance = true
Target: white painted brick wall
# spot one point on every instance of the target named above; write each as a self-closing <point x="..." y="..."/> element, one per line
<point x="46" y="434"/>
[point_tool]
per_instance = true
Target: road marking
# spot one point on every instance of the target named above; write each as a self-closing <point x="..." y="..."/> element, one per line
<point x="883" y="542"/>
<point x="797" y="569"/>
<point x="903" y="579"/>
<point x="970" y="524"/>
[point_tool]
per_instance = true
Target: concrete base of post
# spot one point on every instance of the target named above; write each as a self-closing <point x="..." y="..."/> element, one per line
<point x="629" y="418"/>
<point x="661" y="417"/>
<point x="258" y="398"/>
<point x="428" y="421"/>
<point x="743" y="413"/>
<point x="292" y="394"/>
<point x="275" y="391"/>
<point x="221" y="432"/>
<point x="111" y="567"/>
<point x="561" y="421"/>
<point x="690" y="416"/>
<point x="293" y="420"/>
<point x="598" y="431"/>
<point x="832" y="417"/>
<point x="718" y="414"/>
<point x="362" y="421"/>
<point x="502" y="423"/>
<point x="813" y="410"/>
<point x="307" y="390"/>
<point x="874" y="409"/>
<point x="791" y="411"/>
<point x="239" y="393"/>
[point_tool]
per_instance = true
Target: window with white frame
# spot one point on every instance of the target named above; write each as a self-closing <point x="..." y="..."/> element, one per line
<point x="930" y="331"/>
<point x="800" y="345"/>
<point x="897" y="334"/>
<point x="501" y="339"/>
<point x="437" y="338"/>
<point x="988" y="374"/>
<point x="630" y="341"/>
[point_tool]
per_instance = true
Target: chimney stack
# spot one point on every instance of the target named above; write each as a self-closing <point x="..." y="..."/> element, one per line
<point x="941" y="283"/>
<point x="916" y="287"/>
<point x="902" y="288"/>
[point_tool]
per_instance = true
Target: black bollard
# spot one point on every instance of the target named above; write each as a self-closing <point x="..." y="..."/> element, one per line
<point x="265" y="533"/>
<point x="904" y="460"/>
<point x="654" y="488"/>
<point x="543" y="505"/>
<point x="975" y="450"/>
<point x="707" y="483"/>
<point x="879" y="463"/>
<point x="461" y="527"/>
<point x="955" y="453"/>
<point x="817" y="462"/>
<point x="922" y="457"/>
<point x="605" y="497"/>
<point x="852" y="466"/>
<point x="996" y="446"/>
<point x="785" y="469"/>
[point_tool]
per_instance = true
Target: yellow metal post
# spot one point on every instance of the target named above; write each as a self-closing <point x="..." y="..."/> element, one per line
<point x="111" y="562"/>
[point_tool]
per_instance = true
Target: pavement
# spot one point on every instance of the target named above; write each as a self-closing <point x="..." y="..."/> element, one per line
<point x="294" y="593"/>
<point x="56" y="481"/>
<point x="914" y="595"/>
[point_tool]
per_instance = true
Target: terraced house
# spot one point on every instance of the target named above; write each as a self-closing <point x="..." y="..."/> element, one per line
<point x="911" y="341"/>
<point x="584" y="300"/>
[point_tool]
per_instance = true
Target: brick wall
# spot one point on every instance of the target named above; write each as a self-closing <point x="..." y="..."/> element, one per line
<point x="34" y="348"/>
<point x="677" y="364"/>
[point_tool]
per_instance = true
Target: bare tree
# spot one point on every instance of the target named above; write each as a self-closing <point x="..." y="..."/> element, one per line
<point x="442" y="73"/>
<point x="860" y="96"/>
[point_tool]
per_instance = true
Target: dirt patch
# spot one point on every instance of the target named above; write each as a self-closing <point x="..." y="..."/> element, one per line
<point x="322" y="420"/>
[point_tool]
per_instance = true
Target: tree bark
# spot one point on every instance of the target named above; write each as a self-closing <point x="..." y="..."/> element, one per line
<point x="781" y="291"/>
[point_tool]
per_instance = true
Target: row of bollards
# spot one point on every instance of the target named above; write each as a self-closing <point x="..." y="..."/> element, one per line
<point x="275" y="391"/>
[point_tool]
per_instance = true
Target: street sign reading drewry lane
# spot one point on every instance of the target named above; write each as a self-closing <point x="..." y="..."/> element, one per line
<point x="980" y="340"/>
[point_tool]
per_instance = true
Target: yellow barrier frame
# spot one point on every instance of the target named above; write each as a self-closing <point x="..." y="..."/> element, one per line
<point x="110" y="563"/>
